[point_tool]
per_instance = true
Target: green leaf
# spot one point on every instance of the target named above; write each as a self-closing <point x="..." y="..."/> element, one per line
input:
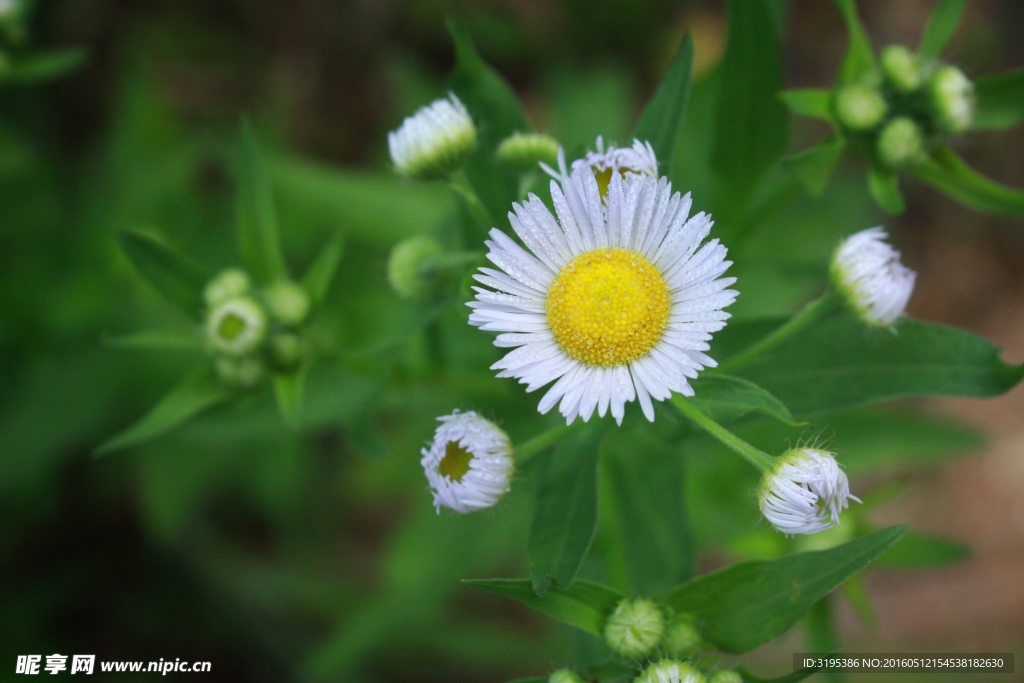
<point x="751" y="125"/>
<point x="647" y="483"/>
<point x="940" y="28"/>
<point x="1000" y="100"/>
<point x="949" y="174"/>
<point x="320" y="274"/>
<point x="258" y="241"/>
<point x="531" y="679"/>
<point x="43" y="66"/>
<point x="794" y="677"/>
<point x="565" y="518"/>
<point x="188" y="398"/>
<point x="839" y="363"/>
<point x="919" y="551"/>
<point x="176" y="340"/>
<point x="885" y="189"/>
<point x="180" y="279"/>
<point x="813" y="102"/>
<point x="725" y="398"/>
<point x="813" y="167"/>
<point x="289" y="389"/>
<point x="747" y="604"/>
<point x="860" y="58"/>
<point x="662" y="118"/>
<point x="585" y="605"/>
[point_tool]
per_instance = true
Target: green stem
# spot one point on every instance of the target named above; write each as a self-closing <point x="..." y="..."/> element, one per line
<point x="527" y="450"/>
<point x="754" y="456"/>
<point x="460" y="183"/>
<point x="813" y="311"/>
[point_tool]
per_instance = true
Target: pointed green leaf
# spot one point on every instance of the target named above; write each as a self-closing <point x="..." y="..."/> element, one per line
<point x="663" y="116"/>
<point x="585" y="605"/>
<point x="725" y="398"/>
<point x="289" y="389"/>
<point x="919" y="551"/>
<point x="188" y="398"/>
<point x="1000" y="100"/>
<point x="860" y="58"/>
<point x="565" y="518"/>
<point x="813" y="102"/>
<point x="320" y="274"/>
<point x="747" y="604"/>
<point x="885" y="189"/>
<point x="794" y="677"/>
<point x="180" y="279"/>
<point x="177" y="340"/>
<point x="948" y="173"/>
<point x="813" y="167"/>
<point x="941" y="26"/>
<point x="258" y="241"/>
<point x="647" y="484"/>
<point x="42" y="66"/>
<point x="751" y="125"/>
<point x="856" y="593"/>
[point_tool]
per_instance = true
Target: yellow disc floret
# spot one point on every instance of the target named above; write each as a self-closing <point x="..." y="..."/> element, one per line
<point x="455" y="462"/>
<point x="608" y="307"/>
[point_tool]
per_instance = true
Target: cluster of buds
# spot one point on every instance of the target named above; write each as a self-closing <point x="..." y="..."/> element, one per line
<point x="908" y="105"/>
<point x="638" y="628"/>
<point x="249" y="330"/>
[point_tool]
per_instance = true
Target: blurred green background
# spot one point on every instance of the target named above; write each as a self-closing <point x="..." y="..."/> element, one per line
<point x="283" y="556"/>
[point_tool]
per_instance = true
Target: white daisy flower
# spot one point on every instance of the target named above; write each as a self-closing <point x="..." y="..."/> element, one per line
<point x="616" y="302"/>
<point x="469" y="464"/>
<point x="434" y="141"/>
<point x="804" y="492"/>
<point x="868" y="274"/>
<point x="671" y="671"/>
<point x="638" y="159"/>
<point x="237" y="326"/>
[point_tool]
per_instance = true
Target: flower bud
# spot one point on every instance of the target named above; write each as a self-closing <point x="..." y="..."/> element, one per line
<point x="564" y="676"/>
<point x="227" y="285"/>
<point x="859" y="107"/>
<point x="804" y="492"/>
<point x="245" y="372"/>
<point x="671" y="671"/>
<point x="634" y="628"/>
<point x="406" y="267"/>
<point x="682" y="639"/>
<point x="900" y="143"/>
<point x="867" y="273"/>
<point x="725" y="676"/>
<point x="469" y="464"/>
<point x="287" y="302"/>
<point x="524" y="151"/>
<point x="434" y="141"/>
<point x="237" y="326"/>
<point x="951" y="95"/>
<point x="902" y="68"/>
<point x="286" y="350"/>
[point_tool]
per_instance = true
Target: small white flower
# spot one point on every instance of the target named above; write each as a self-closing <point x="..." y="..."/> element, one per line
<point x="617" y="301"/>
<point x="952" y="96"/>
<point x="868" y="274"/>
<point x="469" y="464"/>
<point x="671" y="671"/>
<point x="434" y="141"/>
<point x="804" y="492"/>
<point x="237" y="326"/>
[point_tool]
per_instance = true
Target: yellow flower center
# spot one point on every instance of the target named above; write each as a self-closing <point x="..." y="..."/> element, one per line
<point x="608" y="307"/>
<point x="455" y="462"/>
<point x="604" y="178"/>
<point x="231" y="326"/>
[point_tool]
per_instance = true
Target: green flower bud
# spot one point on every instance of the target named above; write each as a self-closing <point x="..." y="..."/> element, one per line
<point x="859" y="107"/>
<point x="246" y="372"/>
<point x="406" y="267"/>
<point x="900" y="143"/>
<point x="564" y="676"/>
<point x="902" y="68"/>
<point x="287" y="302"/>
<point x="523" y="151"/>
<point x="682" y="639"/>
<point x="227" y="285"/>
<point x="434" y="141"/>
<point x="237" y="326"/>
<point x="951" y="95"/>
<point x="725" y="676"/>
<point x="635" y="628"/>
<point x="286" y="350"/>
<point x="671" y="671"/>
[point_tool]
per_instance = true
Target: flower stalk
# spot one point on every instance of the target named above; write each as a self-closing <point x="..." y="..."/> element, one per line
<point x="756" y="457"/>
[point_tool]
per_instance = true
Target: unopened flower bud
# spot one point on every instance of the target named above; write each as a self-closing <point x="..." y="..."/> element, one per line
<point x="237" y="326"/>
<point x="564" y="676"/>
<point x="859" y="107"/>
<point x="524" y="151"/>
<point x="634" y="629"/>
<point x="900" y="143"/>
<point x="951" y="94"/>
<point x="406" y="267"/>
<point x="469" y="464"/>
<point x="434" y="141"/>
<point x="227" y="285"/>
<point x="286" y="350"/>
<point x="902" y="68"/>
<point x="725" y="676"/>
<point x="246" y="372"/>
<point x="867" y="273"/>
<point x="671" y="671"/>
<point x="287" y="302"/>
<point x="804" y="492"/>
<point x="682" y="639"/>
